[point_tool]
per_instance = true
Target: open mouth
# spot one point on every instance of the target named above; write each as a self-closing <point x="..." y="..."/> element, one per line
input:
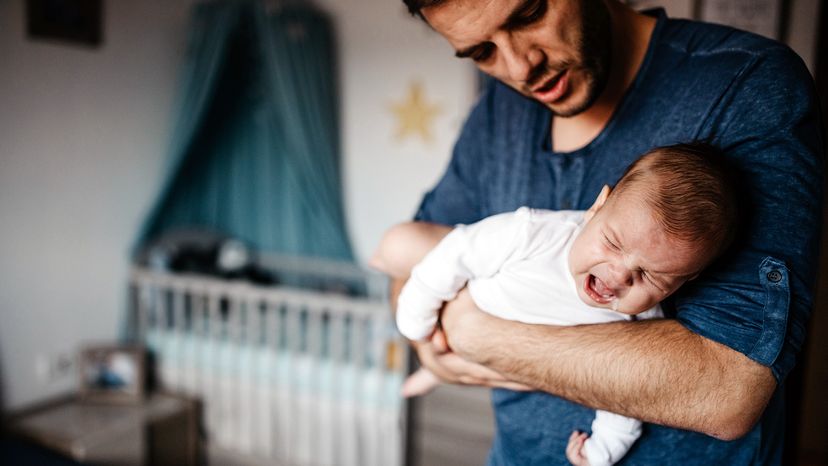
<point x="597" y="290"/>
<point x="553" y="88"/>
<point x="550" y="83"/>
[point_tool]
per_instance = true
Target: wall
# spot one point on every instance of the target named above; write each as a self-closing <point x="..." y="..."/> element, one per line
<point x="803" y="30"/>
<point x="383" y="51"/>
<point x="82" y="138"/>
<point x="802" y="26"/>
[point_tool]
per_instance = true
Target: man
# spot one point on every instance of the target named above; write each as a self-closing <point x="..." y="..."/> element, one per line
<point x="584" y="86"/>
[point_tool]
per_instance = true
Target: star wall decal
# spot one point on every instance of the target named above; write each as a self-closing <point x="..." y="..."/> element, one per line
<point x="415" y="115"/>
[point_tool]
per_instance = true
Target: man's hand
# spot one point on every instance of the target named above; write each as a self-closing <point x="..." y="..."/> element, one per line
<point x="436" y="356"/>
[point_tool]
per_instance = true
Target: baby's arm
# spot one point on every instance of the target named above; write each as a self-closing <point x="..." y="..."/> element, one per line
<point x="612" y="437"/>
<point x="404" y="245"/>
<point x="468" y="251"/>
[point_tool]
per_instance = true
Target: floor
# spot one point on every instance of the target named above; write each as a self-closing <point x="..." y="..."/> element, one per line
<point x="452" y="426"/>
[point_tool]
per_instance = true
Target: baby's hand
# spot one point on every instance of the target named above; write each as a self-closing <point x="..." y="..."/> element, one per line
<point x="575" y="449"/>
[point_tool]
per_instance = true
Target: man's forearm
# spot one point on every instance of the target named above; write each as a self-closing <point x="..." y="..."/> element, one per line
<point x="656" y="371"/>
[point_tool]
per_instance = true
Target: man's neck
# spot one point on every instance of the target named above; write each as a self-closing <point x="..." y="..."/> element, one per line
<point x="631" y="33"/>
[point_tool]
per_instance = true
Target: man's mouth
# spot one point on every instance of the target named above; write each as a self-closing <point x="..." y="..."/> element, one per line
<point x="553" y="88"/>
<point x="597" y="290"/>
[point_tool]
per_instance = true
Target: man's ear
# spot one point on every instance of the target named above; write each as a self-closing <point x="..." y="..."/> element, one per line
<point x="599" y="202"/>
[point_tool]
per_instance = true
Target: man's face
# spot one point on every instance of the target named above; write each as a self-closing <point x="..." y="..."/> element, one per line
<point x="623" y="260"/>
<point x="555" y="51"/>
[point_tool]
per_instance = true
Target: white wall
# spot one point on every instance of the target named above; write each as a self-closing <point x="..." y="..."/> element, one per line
<point x="82" y="138"/>
<point x="383" y="50"/>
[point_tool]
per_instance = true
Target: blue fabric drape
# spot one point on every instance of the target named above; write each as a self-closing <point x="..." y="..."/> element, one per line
<point x="255" y="149"/>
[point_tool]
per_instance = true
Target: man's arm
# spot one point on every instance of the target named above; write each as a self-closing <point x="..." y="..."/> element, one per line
<point x="654" y="370"/>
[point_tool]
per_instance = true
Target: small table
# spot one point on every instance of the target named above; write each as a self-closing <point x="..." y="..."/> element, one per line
<point x="163" y="429"/>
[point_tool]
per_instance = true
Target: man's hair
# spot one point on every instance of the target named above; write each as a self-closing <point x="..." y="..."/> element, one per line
<point x="691" y="191"/>
<point x="415" y="6"/>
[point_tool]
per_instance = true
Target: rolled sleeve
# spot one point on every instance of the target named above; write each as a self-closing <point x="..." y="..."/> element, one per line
<point x="758" y="298"/>
<point x="757" y="317"/>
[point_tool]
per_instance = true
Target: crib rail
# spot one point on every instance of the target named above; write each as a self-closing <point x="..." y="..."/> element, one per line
<point x="287" y="376"/>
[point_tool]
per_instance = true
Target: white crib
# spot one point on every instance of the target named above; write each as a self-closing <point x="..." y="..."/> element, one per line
<point x="287" y="376"/>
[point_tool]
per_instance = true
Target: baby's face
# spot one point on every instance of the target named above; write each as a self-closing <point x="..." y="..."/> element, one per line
<point x="622" y="259"/>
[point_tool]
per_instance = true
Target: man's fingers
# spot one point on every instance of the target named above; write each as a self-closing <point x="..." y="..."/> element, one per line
<point x="459" y="365"/>
<point x="451" y="368"/>
<point x="432" y="360"/>
<point x="518" y="387"/>
<point x="438" y="340"/>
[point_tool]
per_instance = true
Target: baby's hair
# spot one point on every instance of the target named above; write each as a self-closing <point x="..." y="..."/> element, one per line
<point x="690" y="190"/>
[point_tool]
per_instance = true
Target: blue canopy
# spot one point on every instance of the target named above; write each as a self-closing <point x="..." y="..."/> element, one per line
<point x="254" y="153"/>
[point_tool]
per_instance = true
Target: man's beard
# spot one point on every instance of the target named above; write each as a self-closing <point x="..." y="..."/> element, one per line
<point x="595" y="49"/>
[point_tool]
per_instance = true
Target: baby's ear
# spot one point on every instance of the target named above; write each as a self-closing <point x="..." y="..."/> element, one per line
<point x="599" y="202"/>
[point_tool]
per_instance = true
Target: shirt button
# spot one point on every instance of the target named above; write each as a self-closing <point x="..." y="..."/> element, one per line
<point x="566" y="204"/>
<point x="774" y="276"/>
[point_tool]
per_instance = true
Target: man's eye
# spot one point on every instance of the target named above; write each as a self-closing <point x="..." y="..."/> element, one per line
<point x="534" y="13"/>
<point x="483" y="52"/>
<point x="610" y="244"/>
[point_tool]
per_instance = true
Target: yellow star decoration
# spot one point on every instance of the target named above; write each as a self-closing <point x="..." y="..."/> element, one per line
<point x="415" y="115"/>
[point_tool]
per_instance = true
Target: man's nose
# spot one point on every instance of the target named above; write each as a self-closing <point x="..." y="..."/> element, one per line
<point x="519" y="62"/>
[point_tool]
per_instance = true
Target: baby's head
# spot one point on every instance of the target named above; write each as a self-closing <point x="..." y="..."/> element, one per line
<point x="670" y="215"/>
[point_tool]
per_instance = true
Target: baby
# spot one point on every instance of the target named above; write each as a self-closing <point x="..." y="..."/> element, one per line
<point x="670" y="215"/>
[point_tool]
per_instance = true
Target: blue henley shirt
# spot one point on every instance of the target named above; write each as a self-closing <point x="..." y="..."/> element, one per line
<point x="751" y="97"/>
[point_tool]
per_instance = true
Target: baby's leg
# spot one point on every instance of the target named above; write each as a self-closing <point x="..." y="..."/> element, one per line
<point x="419" y="383"/>
<point x="404" y="245"/>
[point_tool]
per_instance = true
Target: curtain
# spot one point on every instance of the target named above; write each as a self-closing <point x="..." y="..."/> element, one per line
<point x="254" y="153"/>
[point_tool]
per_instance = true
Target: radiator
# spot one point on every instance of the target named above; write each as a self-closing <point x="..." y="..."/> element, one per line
<point x="287" y="376"/>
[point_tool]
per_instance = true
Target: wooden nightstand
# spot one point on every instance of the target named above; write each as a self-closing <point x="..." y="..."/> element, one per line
<point x="162" y="430"/>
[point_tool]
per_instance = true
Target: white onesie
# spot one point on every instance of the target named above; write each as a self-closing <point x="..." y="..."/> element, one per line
<point x="515" y="266"/>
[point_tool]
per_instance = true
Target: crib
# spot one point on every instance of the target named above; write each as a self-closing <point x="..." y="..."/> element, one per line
<point x="287" y="376"/>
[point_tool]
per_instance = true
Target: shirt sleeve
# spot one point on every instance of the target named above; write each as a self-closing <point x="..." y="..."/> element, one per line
<point x="611" y="439"/>
<point x="467" y="252"/>
<point x="757" y="298"/>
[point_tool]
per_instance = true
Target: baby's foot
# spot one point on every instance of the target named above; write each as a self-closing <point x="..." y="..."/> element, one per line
<point x="419" y="383"/>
